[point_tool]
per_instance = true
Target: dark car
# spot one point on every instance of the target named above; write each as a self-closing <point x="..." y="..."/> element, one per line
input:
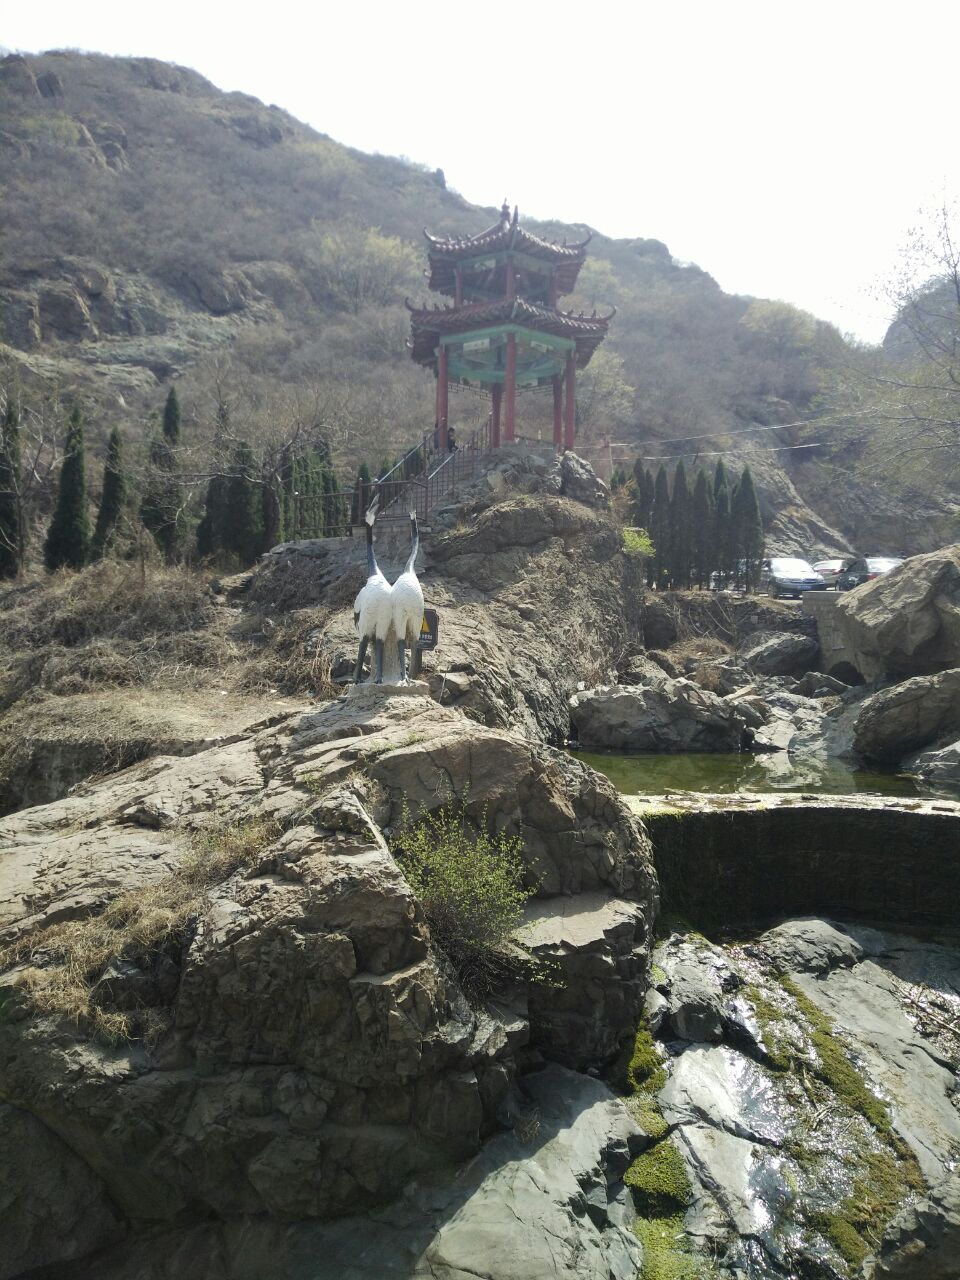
<point x="865" y="570"/>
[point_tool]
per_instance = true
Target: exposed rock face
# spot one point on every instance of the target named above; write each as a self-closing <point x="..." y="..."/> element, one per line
<point x="939" y="766"/>
<point x="779" y="653"/>
<point x="673" y="715"/>
<point x="579" y="481"/>
<point x="900" y="720"/>
<point x="923" y="1241"/>
<point x="545" y="1200"/>
<point x="511" y="648"/>
<point x="776" y="1170"/>
<point x="315" y="1052"/>
<point x="52" y="1204"/>
<point x="906" y="623"/>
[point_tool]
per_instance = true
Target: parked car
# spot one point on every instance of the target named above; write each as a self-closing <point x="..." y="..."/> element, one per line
<point x="830" y="570"/>
<point x="865" y="570"/>
<point x="788" y="576"/>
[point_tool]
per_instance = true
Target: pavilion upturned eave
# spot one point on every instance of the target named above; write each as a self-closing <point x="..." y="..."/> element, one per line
<point x="431" y="326"/>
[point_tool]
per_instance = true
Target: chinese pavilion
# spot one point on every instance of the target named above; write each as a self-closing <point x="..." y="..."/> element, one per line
<point x="504" y="331"/>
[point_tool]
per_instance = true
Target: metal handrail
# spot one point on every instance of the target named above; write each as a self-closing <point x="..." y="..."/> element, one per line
<point x="423" y="491"/>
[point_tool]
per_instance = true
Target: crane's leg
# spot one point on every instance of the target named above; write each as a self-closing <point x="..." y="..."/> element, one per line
<point x="378" y="653"/>
<point x="358" y="669"/>
<point x="402" y="653"/>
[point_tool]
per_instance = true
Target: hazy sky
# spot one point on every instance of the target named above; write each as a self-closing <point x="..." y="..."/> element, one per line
<point x="785" y="148"/>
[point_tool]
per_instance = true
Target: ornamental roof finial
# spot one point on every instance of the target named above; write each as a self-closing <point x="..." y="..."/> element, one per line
<point x="504" y="211"/>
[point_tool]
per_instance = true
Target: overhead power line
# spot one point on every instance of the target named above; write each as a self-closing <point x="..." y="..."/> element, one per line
<point x="739" y="431"/>
<point x="716" y="453"/>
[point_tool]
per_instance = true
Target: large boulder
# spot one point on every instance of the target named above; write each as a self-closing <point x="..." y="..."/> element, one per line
<point x="938" y="766"/>
<point x="779" y="653"/>
<point x="908" y="716"/>
<point x="907" y="622"/>
<point x="672" y="715"/>
<point x="299" y="1048"/>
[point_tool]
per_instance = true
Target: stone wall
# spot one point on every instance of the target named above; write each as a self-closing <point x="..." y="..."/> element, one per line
<point x="724" y="862"/>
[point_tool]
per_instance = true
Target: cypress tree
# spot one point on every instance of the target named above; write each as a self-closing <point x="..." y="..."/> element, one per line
<point x="681" y="532"/>
<point x="68" y="538"/>
<point x="212" y="528"/>
<point x="161" y="509"/>
<point x="660" y="529"/>
<point x="243" y="532"/>
<point x="749" y="528"/>
<point x="171" y="419"/>
<point x="719" y="479"/>
<point x="703" y="530"/>
<point x="113" y="498"/>
<point x="722" y="535"/>
<point x="12" y="528"/>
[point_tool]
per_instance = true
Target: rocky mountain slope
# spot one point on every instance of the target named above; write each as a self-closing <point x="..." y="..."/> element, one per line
<point x="157" y="228"/>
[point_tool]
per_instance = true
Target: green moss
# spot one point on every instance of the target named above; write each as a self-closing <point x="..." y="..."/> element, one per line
<point x="854" y="1228"/>
<point x="834" y="1067"/>
<point x="659" y="1181"/>
<point x="665" y="1255"/>
<point x="657" y="974"/>
<point x="646" y="1111"/>
<point x="645" y="1069"/>
<point x="769" y="1017"/>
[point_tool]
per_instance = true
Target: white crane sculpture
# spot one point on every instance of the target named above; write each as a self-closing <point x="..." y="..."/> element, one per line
<point x="406" y="598"/>
<point x="373" y="607"/>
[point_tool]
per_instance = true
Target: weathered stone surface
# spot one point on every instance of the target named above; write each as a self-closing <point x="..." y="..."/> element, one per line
<point x="695" y="977"/>
<point x="938" y="767"/>
<point x="900" y="720"/>
<point x="923" y="1240"/>
<point x="53" y="1207"/>
<point x="810" y="946"/>
<point x="598" y="950"/>
<point x="579" y="481"/>
<point x="781" y="653"/>
<point x="907" y="622"/>
<point x="315" y="1054"/>
<point x="673" y="715"/>
<point x="545" y="1200"/>
<point x="64" y="314"/>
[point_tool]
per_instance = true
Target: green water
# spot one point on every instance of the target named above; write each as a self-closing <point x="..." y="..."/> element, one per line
<point x="649" y="774"/>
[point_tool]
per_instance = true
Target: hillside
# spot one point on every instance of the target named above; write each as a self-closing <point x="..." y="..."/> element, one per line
<point x="156" y="228"/>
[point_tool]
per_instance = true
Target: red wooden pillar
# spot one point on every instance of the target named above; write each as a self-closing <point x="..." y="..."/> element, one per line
<point x="496" y="395"/>
<point x="570" y="422"/>
<point x="510" y="389"/>
<point x="557" y="412"/>
<point x="442" y="396"/>
<point x="511" y="279"/>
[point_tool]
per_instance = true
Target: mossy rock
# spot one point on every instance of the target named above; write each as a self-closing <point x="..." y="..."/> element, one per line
<point x="659" y="1182"/>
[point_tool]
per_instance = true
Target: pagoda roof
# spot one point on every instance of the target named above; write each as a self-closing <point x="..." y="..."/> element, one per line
<point x="444" y="252"/>
<point x="429" y="324"/>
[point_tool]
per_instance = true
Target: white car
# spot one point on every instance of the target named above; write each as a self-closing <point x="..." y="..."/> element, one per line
<point x="830" y="570"/>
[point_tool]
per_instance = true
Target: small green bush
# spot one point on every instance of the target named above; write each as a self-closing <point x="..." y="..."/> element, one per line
<point x="636" y="542"/>
<point x="471" y="886"/>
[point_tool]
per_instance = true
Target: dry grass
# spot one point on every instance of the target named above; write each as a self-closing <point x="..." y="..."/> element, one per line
<point x="62" y="964"/>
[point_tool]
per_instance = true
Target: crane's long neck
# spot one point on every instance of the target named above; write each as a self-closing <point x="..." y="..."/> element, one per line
<point x="416" y="545"/>
<point x="371" y="557"/>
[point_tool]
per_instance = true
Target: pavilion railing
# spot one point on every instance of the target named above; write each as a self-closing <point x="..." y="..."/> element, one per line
<point x="419" y="482"/>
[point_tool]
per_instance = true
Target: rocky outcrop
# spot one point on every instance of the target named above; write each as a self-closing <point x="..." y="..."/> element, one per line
<point x="907" y="622"/>
<point x="779" y="653"/>
<point x="923" y="1240"/>
<point x="939" y="766"/>
<point x="546" y="1199"/>
<point x="671" y="715"/>
<point x="311" y="1053"/>
<point x="903" y="719"/>
<point x="777" y="1172"/>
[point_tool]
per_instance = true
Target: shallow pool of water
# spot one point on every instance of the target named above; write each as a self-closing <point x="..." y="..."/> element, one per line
<point x="649" y="774"/>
